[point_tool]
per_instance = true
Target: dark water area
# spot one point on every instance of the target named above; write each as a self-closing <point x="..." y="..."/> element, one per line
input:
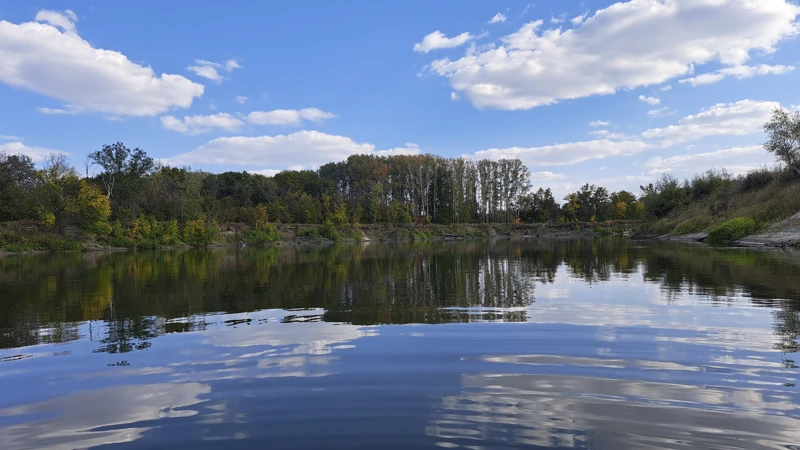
<point x="558" y="344"/>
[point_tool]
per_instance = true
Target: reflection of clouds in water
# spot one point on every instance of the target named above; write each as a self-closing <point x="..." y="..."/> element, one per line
<point x="267" y="348"/>
<point x="103" y="416"/>
<point x="587" y="412"/>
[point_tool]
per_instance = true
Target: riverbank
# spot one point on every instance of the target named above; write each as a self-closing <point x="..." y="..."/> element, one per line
<point x="785" y="233"/>
<point x="19" y="237"/>
<point x="761" y="208"/>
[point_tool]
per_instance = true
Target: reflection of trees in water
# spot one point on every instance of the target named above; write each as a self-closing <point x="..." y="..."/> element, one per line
<point x="48" y="295"/>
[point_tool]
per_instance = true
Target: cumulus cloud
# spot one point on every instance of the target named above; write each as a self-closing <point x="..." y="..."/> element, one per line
<point x="566" y="154"/>
<point x="202" y="124"/>
<point x="9" y="138"/>
<point x="579" y="19"/>
<point x="740" y="72"/>
<point x="289" y="116"/>
<point x="454" y="96"/>
<point x="65" y="21"/>
<point x="303" y="149"/>
<point x="437" y="40"/>
<point x="499" y="17"/>
<point x="626" y="45"/>
<point x="599" y="123"/>
<point x="732" y="119"/>
<point x="48" y="57"/>
<point x="241" y="99"/>
<point x="18" y="148"/>
<point x="652" y="101"/>
<point x="736" y="160"/>
<point x="210" y="70"/>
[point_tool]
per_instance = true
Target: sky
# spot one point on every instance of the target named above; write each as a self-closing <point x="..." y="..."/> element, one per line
<point x="594" y="91"/>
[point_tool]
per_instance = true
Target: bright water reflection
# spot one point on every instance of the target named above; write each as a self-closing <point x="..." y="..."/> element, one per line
<point x="604" y="344"/>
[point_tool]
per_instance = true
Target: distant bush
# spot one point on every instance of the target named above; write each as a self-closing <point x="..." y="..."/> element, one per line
<point x="262" y="234"/>
<point x="710" y="182"/>
<point x="665" y="196"/>
<point x="756" y="180"/>
<point x="328" y="231"/>
<point x="200" y="232"/>
<point x="732" y="230"/>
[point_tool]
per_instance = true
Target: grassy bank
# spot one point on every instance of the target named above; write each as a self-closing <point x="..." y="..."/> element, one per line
<point x="146" y="234"/>
<point x="726" y="207"/>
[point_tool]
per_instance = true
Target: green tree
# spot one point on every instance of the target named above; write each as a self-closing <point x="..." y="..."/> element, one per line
<point x="783" y="138"/>
<point x="57" y="191"/>
<point x="94" y="209"/>
<point x="121" y="171"/>
<point x="17" y="181"/>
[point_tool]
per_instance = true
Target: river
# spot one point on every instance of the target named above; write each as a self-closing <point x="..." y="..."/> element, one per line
<point x="552" y="343"/>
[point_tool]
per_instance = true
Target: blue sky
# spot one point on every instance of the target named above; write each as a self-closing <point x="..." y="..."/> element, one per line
<point x="592" y="91"/>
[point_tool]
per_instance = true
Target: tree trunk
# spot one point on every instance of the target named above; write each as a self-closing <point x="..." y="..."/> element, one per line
<point x="796" y="170"/>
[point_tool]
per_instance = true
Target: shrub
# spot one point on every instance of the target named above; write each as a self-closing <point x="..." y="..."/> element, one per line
<point x="756" y="180"/>
<point x="200" y="232"/>
<point x="710" y="182"/>
<point x="261" y="235"/>
<point x="732" y="230"/>
<point x="665" y="196"/>
<point x="328" y="231"/>
<point x="311" y="233"/>
<point x="169" y="233"/>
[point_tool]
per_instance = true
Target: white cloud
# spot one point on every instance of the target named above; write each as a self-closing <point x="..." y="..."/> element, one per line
<point x="740" y="72"/>
<point x="10" y="138"/>
<point x="732" y="119"/>
<point x="737" y="160"/>
<point x="454" y="96"/>
<point x="546" y="176"/>
<point x="660" y="112"/>
<point x="60" y="64"/>
<point x="65" y="21"/>
<point x="241" y="99"/>
<point x="565" y="154"/>
<point x="289" y="116"/>
<point x="666" y="88"/>
<point x="18" y="148"/>
<point x="499" y="17"/>
<point x="626" y="45"/>
<point x="579" y="19"/>
<point x="266" y="172"/>
<point x="599" y="123"/>
<point x="210" y="70"/>
<point x="558" y="20"/>
<point x="202" y="124"/>
<point x="67" y="110"/>
<point x="652" y="101"/>
<point x="605" y="134"/>
<point x="303" y="149"/>
<point x="437" y="40"/>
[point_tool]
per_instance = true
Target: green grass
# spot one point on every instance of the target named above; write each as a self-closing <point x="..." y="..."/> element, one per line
<point x="692" y="225"/>
<point x="11" y="241"/>
<point x="731" y="230"/>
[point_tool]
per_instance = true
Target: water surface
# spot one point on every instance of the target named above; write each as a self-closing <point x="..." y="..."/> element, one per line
<point x="589" y="344"/>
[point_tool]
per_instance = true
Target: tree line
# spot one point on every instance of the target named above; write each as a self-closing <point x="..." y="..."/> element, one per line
<point x="123" y="185"/>
<point x="124" y="191"/>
